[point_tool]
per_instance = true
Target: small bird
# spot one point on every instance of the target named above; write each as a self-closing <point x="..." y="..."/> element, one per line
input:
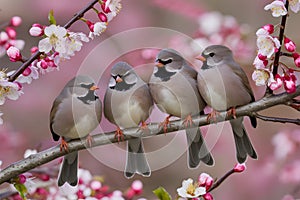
<point x="173" y="86"/>
<point x="224" y="85"/>
<point x="128" y="103"/>
<point x="75" y="113"/>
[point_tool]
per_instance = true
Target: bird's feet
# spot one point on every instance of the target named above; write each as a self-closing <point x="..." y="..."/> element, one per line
<point x="231" y="112"/>
<point x="119" y="134"/>
<point x="165" y="123"/>
<point x="63" y="145"/>
<point x="188" y="121"/>
<point x="89" y="141"/>
<point x="213" y="116"/>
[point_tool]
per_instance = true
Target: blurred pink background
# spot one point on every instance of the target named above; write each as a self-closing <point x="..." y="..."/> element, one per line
<point x="26" y="121"/>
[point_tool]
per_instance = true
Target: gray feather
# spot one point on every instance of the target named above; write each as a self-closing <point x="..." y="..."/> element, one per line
<point x="136" y="159"/>
<point x="68" y="171"/>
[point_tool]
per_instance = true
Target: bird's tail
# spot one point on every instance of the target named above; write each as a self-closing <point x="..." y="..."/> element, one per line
<point x="136" y="159"/>
<point x="242" y="141"/>
<point x="197" y="149"/>
<point x="68" y="171"/>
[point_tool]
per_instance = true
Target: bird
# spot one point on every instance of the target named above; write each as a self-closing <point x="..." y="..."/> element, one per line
<point x="224" y="85"/>
<point x="75" y="113"/>
<point x="128" y="103"/>
<point x="173" y="86"/>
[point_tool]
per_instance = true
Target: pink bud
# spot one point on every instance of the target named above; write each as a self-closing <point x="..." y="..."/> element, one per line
<point x="289" y="45"/>
<point x="239" y="167"/>
<point x="14" y="54"/>
<point x="130" y="193"/>
<point x="43" y="177"/>
<point x="95" y="185"/>
<point x="261" y="57"/>
<point x="42" y="192"/>
<point x="16" y="21"/>
<point x="22" y="179"/>
<point x="3" y="38"/>
<point x="208" y="196"/>
<point x="102" y="17"/>
<point x="11" y="32"/>
<point x="80" y="194"/>
<point x="36" y="30"/>
<point x="269" y="28"/>
<point x="26" y="72"/>
<point x="296" y="57"/>
<point x="277" y="83"/>
<point x="137" y="186"/>
<point x="205" y="180"/>
<point x="43" y="64"/>
<point x="34" y="50"/>
<point x="289" y="82"/>
<point x="105" y="9"/>
<point x="90" y="25"/>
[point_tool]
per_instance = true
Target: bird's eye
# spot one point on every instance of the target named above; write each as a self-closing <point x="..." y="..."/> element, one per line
<point x="211" y="54"/>
<point x="167" y="61"/>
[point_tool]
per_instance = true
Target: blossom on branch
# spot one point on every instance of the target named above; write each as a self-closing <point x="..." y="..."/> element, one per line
<point x="294" y="5"/>
<point x="277" y="7"/>
<point x="190" y="189"/>
<point x="55" y="39"/>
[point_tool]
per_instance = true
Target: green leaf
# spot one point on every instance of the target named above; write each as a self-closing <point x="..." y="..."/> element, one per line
<point x="21" y="189"/>
<point x="51" y="17"/>
<point x="162" y="194"/>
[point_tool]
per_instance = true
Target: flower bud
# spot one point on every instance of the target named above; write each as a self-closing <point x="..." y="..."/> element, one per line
<point x="11" y="32"/>
<point x="16" y="21"/>
<point x="289" y="45"/>
<point x="102" y="17"/>
<point x="14" y="54"/>
<point x="296" y="57"/>
<point x="239" y="167"/>
<point x="269" y="28"/>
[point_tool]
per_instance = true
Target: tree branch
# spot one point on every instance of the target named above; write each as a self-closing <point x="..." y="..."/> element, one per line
<point x="75" y="18"/>
<point x="277" y="119"/>
<point x="52" y="153"/>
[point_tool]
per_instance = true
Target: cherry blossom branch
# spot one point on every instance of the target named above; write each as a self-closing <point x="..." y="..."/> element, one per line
<point x="106" y="138"/>
<point x="75" y="18"/>
<point x="280" y="38"/>
<point x="277" y="119"/>
<point x="221" y="180"/>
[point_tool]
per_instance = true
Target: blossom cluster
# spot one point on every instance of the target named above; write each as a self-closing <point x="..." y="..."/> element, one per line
<point x="42" y="185"/>
<point x="57" y="43"/>
<point x="8" y="36"/>
<point x="268" y="45"/>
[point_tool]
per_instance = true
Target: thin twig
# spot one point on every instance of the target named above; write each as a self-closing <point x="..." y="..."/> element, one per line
<point x="75" y="18"/>
<point x="219" y="181"/>
<point x="52" y="153"/>
<point x="280" y="38"/>
<point x="277" y="119"/>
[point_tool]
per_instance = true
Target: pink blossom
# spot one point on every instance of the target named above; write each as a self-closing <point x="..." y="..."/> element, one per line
<point x="289" y="45"/>
<point x="239" y="167"/>
<point x="14" y="54"/>
<point x="205" y="180"/>
<point x="294" y="5"/>
<point x="267" y="45"/>
<point x="259" y="63"/>
<point x="137" y="186"/>
<point x="207" y="196"/>
<point x="289" y="82"/>
<point x="276" y="82"/>
<point x="97" y="29"/>
<point x="11" y="32"/>
<point x="283" y="145"/>
<point x="102" y="17"/>
<point x="290" y="173"/>
<point x="16" y="21"/>
<point x="36" y="30"/>
<point x="95" y="185"/>
<point x="269" y="28"/>
<point x="260" y="77"/>
<point x="112" y="6"/>
<point x="296" y="57"/>
<point x="277" y="7"/>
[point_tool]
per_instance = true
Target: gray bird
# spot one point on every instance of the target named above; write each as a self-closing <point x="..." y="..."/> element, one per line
<point x="75" y="113"/>
<point x="224" y="85"/>
<point x="173" y="86"/>
<point x="128" y="103"/>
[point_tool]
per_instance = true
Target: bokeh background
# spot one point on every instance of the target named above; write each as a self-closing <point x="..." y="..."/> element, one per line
<point x="26" y="121"/>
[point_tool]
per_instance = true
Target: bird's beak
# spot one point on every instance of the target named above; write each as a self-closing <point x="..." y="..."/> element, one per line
<point x="201" y="58"/>
<point x="158" y="64"/>
<point x="94" y="87"/>
<point x="119" y="79"/>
